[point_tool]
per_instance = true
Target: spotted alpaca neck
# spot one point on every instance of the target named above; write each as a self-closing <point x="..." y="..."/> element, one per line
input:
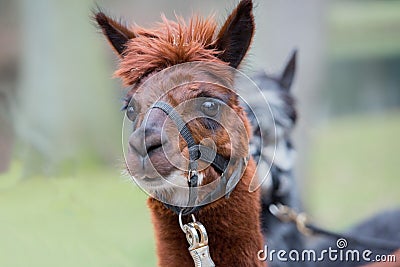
<point x="233" y="227"/>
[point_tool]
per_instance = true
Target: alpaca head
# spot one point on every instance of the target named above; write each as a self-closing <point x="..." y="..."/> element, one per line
<point x="190" y="66"/>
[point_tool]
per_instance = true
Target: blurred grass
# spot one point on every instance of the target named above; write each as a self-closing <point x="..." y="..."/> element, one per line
<point x="95" y="218"/>
<point x="90" y="219"/>
<point x="354" y="169"/>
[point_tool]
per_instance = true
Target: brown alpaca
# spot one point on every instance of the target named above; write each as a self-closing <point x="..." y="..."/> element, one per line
<point x="233" y="224"/>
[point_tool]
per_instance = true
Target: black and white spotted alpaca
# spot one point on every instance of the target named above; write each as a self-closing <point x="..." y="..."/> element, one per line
<point x="276" y="158"/>
<point x="280" y="185"/>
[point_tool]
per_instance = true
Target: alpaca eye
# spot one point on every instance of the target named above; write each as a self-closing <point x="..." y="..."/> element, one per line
<point x="210" y="108"/>
<point x="130" y="113"/>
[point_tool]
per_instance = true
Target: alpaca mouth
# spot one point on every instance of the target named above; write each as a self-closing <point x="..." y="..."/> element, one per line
<point x="150" y="168"/>
<point x="152" y="180"/>
<point x="161" y="187"/>
<point x="152" y="183"/>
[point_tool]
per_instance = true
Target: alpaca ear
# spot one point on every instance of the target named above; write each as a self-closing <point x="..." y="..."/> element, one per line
<point x="117" y="34"/>
<point x="235" y="36"/>
<point x="289" y="72"/>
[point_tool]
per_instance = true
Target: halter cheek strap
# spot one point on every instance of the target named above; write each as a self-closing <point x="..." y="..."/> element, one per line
<point x="204" y="153"/>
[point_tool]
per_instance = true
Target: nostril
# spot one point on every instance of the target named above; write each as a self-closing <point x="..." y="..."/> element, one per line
<point x="153" y="142"/>
<point x="152" y="147"/>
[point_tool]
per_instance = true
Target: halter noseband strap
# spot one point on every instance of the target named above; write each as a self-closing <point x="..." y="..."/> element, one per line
<point x="196" y="152"/>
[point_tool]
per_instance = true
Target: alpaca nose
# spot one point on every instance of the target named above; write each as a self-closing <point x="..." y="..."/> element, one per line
<point x="145" y="142"/>
<point x="148" y="137"/>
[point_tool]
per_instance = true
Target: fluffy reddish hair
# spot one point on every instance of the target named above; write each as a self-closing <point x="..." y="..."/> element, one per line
<point x="170" y="43"/>
<point x="143" y="51"/>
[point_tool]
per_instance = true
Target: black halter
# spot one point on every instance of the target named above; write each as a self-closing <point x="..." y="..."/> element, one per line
<point x="204" y="153"/>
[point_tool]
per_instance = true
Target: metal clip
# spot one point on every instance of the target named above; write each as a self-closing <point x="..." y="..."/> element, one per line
<point x="197" y="238"/>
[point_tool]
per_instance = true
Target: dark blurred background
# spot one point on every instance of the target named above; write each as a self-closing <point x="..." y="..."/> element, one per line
<point x="63" y="201"/>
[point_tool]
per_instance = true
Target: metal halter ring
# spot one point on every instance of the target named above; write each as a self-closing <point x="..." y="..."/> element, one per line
<point x="191" y="173"/>
<point x="180" y="219"/>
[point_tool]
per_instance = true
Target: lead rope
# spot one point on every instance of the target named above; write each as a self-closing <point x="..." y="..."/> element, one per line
<point x="288" y="214"/>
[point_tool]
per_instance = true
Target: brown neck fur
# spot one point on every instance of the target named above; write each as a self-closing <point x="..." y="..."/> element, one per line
<point x="233" y="227"/>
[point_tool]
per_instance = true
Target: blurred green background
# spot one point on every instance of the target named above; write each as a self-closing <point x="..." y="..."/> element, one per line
<point x="63" y="201"/>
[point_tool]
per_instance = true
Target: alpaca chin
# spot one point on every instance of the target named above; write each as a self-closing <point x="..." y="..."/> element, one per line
<point x="177" y="192"/>
<point x="172" y="189"/>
